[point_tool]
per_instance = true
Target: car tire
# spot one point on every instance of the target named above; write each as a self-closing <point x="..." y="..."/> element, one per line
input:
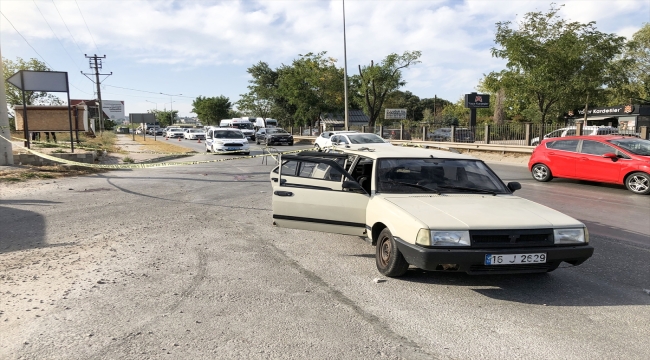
<point x="541" y="173"/>
<point x="291" y="143"/>
<point x="638" y="183"/>
<point x="390" y="261"/>
<point x="317" y="147"/>
<point x="257" y="141"/>
<point x="207" y="149"/>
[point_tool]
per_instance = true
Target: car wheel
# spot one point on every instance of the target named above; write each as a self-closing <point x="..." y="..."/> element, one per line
<point x="291" y="143"/>
<point x="638" y="183"/>
<point x="389" y="259"/>
<point x="317" y="147"/>
<point x="207" y="149"/>
<point x="541" y="173"/>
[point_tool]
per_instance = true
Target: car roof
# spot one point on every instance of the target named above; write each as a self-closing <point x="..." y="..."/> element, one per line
<point x="589" y="137"/>
<point x="405" y="152"/>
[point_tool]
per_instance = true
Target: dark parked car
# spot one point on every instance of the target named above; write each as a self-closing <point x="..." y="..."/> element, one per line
<point x="604" y="158"/>
<point x="444" y="134"/>
<point x="270" y="136"/>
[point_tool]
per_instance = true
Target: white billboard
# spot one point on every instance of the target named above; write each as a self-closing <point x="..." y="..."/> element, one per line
<point x="395" y="114"/>
<point x="113" y="109"/>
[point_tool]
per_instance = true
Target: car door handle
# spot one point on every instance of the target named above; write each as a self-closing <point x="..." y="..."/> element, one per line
<point x="284" y="181"/>
<point x="283" y="193"/>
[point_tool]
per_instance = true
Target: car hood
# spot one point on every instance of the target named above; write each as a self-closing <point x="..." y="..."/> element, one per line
<point x="478" y="211"/>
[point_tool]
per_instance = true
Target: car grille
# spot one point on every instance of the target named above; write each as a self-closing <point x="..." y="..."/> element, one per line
<point x="511" y="238"/>
<point x="232" y="144"/>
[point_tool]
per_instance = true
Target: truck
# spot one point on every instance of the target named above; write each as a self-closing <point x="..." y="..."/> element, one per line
<point x="242" y="124"/>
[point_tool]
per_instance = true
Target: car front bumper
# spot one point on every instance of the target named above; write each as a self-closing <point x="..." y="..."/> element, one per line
<point x="472" y="261"/>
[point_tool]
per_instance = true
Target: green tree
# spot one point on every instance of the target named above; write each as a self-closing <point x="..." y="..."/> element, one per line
<point x="312" y="85"/>
<point x="553" y="63"/>
<point x="375" y="82"/>
<point x="211" y="110"/>
<point x="14" y="95"/>
<point x="164" y="117"/>
<point x="404" y="100"/>
<point x="634" y="64"/>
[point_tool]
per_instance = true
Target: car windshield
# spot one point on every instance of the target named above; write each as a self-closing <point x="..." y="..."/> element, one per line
<point x="635" y="146"/>
<point x="175" y="129"/>
<point x="365" y="139"/>
<point x="276" y="131"/>
<point x="437" y="175"/>
<point x="243" y="125"/>
<point x="228" y="135"/>
<point x="196" y="130"/>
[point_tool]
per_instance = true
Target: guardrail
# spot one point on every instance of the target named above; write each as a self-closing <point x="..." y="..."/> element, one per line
<point x="447" y="145"/>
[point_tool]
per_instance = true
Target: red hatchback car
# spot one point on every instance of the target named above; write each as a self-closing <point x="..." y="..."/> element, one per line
<point x="610" y="159"/>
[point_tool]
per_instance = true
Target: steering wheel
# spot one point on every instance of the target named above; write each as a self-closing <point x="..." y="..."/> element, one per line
<point x="392" y="172"/>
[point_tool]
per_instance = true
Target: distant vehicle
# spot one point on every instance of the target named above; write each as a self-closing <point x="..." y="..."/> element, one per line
<point x="356" y="141"/>
<point x="321" y="141"/>
<point x="264" y="123"/>
<point x="609" y="159"/>
<point x="175" y="132"/>
<point x="226" y="140"/>
<point x="571" y="131"/>
<point x="273" y="136"/>
<point x="244" y="125"/>
<point x="194" y="134"/>
<point x="463" y="135"/>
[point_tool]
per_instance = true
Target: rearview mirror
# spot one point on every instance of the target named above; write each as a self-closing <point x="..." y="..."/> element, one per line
<point x="514" y="186"/>
<point x="610" y="156"/>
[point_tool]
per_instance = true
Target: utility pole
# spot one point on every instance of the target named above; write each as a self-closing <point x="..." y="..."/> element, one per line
<point x="345" y="76"/>
<point x="95" y="63"/>
<point x="6" y="153"/>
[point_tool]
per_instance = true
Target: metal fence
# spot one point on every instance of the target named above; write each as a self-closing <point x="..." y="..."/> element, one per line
<point x="525" y="134"/>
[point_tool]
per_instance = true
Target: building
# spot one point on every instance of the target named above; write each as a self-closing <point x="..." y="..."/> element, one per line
<point x="625" y="117"/>
<point x="331" y="121"/>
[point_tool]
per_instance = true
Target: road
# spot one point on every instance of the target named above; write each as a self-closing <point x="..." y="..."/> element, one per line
<point x="184" y="262"/>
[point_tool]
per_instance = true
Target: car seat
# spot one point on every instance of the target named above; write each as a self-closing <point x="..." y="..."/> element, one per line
<point x="364" y="178"/>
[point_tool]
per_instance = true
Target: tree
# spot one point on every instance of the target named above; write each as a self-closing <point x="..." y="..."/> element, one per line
<point x="634" y="63"/>
<point x="211" y="110"/>
<point x="404" y="100"/>
<point x="312" y="85"/>
<point x="164" y="117"/>
<point x="14" y="95"/>
<point x="552" y="63"/>
<point x="375" y="82"/>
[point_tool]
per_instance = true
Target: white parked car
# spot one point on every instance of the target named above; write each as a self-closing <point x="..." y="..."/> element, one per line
<point x="571" y="131"/>
<point x="194" y="134"/>
<point x="173" y="132"/>
<point x="323" y="138"/>
<point x="226" y="140"/>
<point x="432" y="209"/>
<point x="356" y="141"/>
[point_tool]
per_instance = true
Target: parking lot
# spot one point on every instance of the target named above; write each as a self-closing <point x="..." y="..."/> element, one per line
<point x="184" y="262"/>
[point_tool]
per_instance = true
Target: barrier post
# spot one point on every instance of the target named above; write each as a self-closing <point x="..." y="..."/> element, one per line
<point x="401" y="131"/>
<point x="487" y="134"/>
<point x="528" y="138"/>
<point x="453" y="133"/>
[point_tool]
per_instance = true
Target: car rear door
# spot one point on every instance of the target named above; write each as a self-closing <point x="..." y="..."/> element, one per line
<point x="562" y="156"/>
<point x="312" y="197"/>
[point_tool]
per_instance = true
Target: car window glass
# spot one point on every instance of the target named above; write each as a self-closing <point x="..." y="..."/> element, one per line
<point x="288" y="168"/>
<point x="334" y="139"/>
<point x="306" y="169"/>
<point x="596" y="148"/>
<point x="635" y="146"/>
<point x="570" y="132"/>
<point x="343" y="139"/>
<point x="566" y="145"/>
<point x="365" y="139"/>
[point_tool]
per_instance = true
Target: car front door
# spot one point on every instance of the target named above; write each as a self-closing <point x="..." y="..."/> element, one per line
<point x="593" y="166"/>
<point x="317" y="200"/>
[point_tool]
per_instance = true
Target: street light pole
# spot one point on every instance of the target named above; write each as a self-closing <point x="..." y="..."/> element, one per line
<point x="171" y="115"/>
<point x="155" y="121"/>
<point x="345" y="73"/>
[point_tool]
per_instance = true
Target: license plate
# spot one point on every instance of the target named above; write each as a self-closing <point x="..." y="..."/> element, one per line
<point x="508" y="259"/>
<point x="232" y="149"/>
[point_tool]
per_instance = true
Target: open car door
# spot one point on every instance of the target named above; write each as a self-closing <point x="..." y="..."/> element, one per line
<point x="316" y="193"/>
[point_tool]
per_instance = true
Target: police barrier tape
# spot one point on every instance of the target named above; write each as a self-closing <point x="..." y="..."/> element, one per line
<point x="152" y="165"/>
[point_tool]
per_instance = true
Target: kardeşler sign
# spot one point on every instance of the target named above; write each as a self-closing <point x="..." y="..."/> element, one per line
<point x="395" y="114"/>
<point x="612" y="110"/>
<point x="474" y="101"/>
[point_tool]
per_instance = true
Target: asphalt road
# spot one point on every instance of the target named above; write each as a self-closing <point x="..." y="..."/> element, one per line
<point x="183" y="262"/>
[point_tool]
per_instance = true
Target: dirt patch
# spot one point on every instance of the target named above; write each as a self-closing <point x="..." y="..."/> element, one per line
<point x="161" y="145"/>
<point x="498" y="156"/>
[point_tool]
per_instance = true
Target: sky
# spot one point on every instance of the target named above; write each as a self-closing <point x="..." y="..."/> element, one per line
<point x="202" y="48"/>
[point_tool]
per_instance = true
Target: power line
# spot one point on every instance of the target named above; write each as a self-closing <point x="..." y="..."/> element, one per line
<point x="66" y="26"/>
<point x="145" y="91"/>
<point x="30" y="45"/>
<point x="84" y="19"/>
<point x="57" y="38"/>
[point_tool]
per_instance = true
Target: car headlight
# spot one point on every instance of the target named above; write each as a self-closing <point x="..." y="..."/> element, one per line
<point x="428" y="237"/>
<point x="571" y="236"/>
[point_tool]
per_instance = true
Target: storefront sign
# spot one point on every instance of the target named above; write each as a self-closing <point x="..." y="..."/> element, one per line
<point x="475" y="101"/>
<point x="612" y="110"/>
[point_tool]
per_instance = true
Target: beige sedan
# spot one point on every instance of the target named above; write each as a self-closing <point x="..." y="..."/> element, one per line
<point x="431" y="209"/>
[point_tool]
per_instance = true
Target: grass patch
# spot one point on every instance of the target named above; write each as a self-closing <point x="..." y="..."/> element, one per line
<point x="14" y="175"/>
<point x="59" y="151"/>
<point x="162" y="146"/>
<point x="128" y="160"/>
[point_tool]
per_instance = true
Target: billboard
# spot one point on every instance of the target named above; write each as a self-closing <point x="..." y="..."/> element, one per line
<point x="476" y="101"/>
<point x="395" y="114"/>
<point x="113" y="109"/>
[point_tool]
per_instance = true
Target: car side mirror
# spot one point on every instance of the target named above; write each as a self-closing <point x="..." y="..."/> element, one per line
<point x="611" y="156"/>
<point x="351" y="185"/>
<point x="514" y="186"/>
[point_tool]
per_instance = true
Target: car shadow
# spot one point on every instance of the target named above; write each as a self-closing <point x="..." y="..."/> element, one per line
<point x="23" y="229"/>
